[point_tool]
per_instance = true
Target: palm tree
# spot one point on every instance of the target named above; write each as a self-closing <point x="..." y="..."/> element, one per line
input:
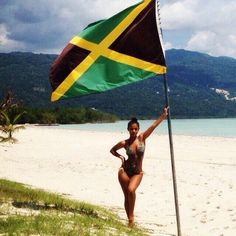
<point x="10" y="127"/>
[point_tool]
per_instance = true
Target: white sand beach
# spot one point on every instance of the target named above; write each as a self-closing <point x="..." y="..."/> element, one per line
<point x="78" y="164"/>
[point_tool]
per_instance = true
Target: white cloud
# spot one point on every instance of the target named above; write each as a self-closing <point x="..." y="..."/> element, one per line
<point x="179" y="14"/>
<point x="7" y="44"/>
<point x="198" y="14"/>
<point x="210" y="25"/>
<point x="213" y="43"/>
<point x="167" y="45"/>
<point x="201" y="41"/>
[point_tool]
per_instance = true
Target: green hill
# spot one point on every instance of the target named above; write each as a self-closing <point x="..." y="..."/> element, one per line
<point x="199" y="86"/>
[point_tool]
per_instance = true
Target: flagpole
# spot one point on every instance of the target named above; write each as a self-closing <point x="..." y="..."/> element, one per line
<point x="172" y="157"/>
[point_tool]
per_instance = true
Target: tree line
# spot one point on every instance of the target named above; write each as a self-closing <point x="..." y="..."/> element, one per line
<point x="11" y="108"/>
<point x="64" y="115"/>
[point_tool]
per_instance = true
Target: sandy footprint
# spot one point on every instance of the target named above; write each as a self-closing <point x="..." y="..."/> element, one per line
<point x="203" y="219"/>
<point x="230" y="186"/>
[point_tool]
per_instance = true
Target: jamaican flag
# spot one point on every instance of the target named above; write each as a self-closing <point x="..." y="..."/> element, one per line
<point x="110" y="53"/>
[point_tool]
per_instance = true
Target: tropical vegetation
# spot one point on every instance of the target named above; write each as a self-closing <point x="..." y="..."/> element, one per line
<point x="9" y="116"/>
<point x="9" y="127"/>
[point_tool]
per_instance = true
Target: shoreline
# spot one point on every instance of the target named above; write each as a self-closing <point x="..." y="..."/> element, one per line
<point x="78" y="163"/>
<point x="190" y="127"/>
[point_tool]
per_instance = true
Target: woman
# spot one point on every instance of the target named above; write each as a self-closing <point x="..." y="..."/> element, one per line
<point x="130" y="173"/>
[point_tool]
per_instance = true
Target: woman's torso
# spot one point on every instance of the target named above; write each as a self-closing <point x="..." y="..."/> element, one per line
<point x="135" y="153"/>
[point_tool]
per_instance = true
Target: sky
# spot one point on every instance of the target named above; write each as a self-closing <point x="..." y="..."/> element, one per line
<point x="46" y="26"/>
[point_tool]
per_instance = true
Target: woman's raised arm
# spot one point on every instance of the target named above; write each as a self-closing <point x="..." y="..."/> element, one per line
<point x="150" y="129"/>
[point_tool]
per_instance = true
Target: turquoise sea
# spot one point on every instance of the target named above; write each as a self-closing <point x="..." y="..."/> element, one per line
<point x="193" y="127"/>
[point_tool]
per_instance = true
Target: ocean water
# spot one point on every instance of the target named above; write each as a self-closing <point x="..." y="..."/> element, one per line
<point x="194" y="127"/>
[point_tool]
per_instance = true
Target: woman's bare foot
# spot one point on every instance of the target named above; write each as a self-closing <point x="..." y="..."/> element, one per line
<point x="131" y="223"/>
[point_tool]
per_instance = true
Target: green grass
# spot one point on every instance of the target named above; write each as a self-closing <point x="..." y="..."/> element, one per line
<point x="27" y="211"/>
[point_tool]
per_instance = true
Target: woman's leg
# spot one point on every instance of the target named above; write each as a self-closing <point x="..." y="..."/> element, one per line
<point x="124" y="182"/>
<point x="133" y="185"/>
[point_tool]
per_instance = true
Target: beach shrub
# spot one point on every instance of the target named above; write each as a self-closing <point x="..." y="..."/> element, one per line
<point x="9" y="127"/>
<point x="10" y="113"/>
